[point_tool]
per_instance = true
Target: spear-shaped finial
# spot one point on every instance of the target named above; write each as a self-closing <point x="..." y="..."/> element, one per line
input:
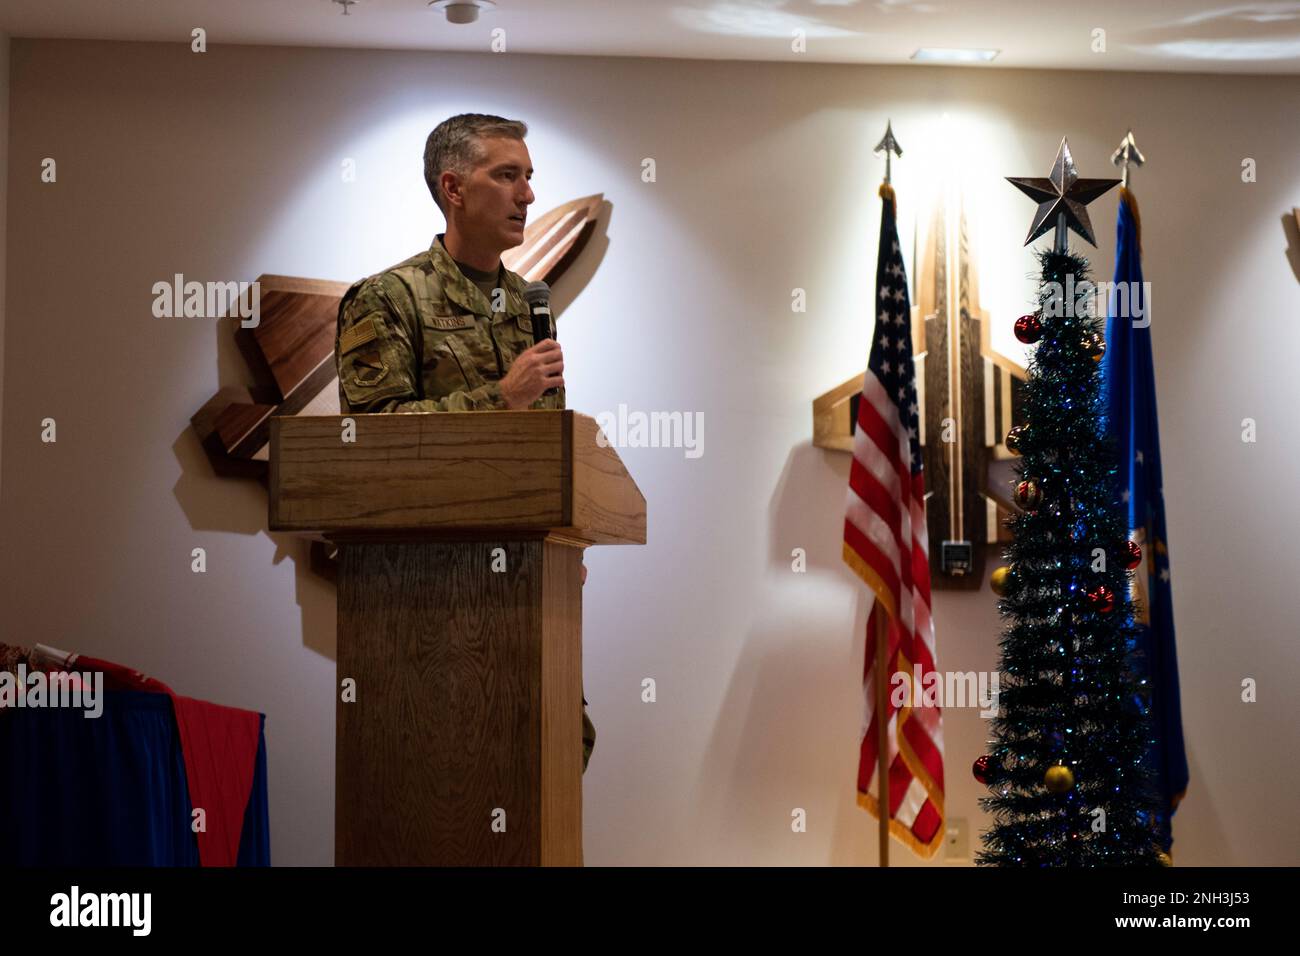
<point x="889" y="145"/>
<point x="1127" y="154"/>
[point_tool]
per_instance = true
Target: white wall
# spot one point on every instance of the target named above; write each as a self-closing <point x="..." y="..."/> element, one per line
<point x="225" y="165"/>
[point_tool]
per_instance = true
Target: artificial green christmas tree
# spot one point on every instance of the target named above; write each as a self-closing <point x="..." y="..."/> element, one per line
<point x="1065" y="766"/>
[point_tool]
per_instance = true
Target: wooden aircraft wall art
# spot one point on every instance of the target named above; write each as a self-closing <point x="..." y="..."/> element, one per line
<point x="290" y="352"/>
<point x="971" y="396"/>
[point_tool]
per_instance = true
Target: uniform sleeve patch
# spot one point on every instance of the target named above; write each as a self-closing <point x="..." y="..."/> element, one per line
<point x="369" y="369"/>
<point x="359" y="334"/>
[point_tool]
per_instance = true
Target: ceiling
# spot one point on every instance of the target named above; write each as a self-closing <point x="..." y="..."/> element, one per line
<point x="1167" y="36"/>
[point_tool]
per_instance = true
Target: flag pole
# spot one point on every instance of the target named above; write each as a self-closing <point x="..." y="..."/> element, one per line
<point x="882" y="735"/>
<point x="889" y="146"/>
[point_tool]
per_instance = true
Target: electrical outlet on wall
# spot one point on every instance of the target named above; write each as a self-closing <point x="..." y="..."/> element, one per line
<point x="956" y="842"/>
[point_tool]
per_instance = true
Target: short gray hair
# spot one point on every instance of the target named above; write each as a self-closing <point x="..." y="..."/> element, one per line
<point x="454" y="145"/>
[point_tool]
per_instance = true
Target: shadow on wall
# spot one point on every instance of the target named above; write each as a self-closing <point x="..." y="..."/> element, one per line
<point x="789" y="724"/>
<point x="239" y="506"/>
<point x="1291" y="229"/>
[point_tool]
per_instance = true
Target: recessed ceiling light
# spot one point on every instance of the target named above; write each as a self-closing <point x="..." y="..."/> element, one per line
<point x="931" y="54"/>
<point x="462" y="11"/>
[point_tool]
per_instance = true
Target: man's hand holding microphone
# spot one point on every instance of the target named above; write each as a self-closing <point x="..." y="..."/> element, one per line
<point x="540" y="369"/>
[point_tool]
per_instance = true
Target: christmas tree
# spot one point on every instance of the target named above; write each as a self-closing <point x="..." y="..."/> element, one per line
<point x="1065" y="766"/>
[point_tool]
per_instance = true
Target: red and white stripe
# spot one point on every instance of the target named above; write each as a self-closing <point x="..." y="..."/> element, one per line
<point x="885" y="542"/>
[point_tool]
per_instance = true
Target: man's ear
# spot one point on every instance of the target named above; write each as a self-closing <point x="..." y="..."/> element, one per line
<point x="450" y="184"/>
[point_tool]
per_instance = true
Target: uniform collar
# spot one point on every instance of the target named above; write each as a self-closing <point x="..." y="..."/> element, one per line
<point x="459" y="289"/>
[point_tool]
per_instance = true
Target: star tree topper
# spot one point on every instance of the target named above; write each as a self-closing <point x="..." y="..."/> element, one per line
<point x="1062" y="199"/>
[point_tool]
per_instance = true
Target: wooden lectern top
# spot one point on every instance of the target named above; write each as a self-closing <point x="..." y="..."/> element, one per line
<point x="448" y="474"/>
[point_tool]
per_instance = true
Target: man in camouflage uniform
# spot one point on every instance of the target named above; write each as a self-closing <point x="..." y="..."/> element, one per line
<point x="448" y="330"/>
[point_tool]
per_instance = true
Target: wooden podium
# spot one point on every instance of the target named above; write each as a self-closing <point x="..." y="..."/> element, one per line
<point x="460" y="540"/>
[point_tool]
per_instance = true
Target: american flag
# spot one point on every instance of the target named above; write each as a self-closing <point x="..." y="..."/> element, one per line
<point x="885" y="542"/>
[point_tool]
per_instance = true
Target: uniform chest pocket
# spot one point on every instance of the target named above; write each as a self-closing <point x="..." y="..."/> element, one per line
<point x="458" y="355"/>
<point x="524" y="326"/>
<point x="515" y="336"/>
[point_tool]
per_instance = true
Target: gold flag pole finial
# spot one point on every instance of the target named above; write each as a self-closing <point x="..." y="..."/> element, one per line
<point x="1127" y="155"/>
<point x="889" y="146"/>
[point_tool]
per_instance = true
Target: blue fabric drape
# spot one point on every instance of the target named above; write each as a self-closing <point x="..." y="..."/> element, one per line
<point x="1129" y="390"/>
<point x="108" y="791"/>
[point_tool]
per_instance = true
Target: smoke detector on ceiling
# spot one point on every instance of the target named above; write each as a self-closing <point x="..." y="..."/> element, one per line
<point x="462" y="11"/>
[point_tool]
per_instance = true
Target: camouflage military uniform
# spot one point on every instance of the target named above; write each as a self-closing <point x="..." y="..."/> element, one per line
<point x="421" y="337"/>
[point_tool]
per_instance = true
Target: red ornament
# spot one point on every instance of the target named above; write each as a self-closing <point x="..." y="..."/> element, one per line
<point x="983" y="769"/>
<point x="1103" y="601"/>
<point x="1133" y="555"/>
<point x="1029" y="328"/>
<point x="1028" y="495"/>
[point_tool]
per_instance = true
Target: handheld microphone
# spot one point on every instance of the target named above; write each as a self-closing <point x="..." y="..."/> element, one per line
<point x="538" y="297"/>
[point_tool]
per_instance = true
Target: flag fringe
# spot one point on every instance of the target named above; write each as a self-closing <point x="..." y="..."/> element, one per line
<point x="925" y="851"/>
<point x="1126" y="195"/>
<point x="869" y="577"/>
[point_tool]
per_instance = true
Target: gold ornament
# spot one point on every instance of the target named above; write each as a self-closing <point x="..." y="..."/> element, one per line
<point x="1096" y="345"/>
<point x="1164" y="858"/>
<point x="1059" y="779"/>
<point x="1000" y="580"/>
